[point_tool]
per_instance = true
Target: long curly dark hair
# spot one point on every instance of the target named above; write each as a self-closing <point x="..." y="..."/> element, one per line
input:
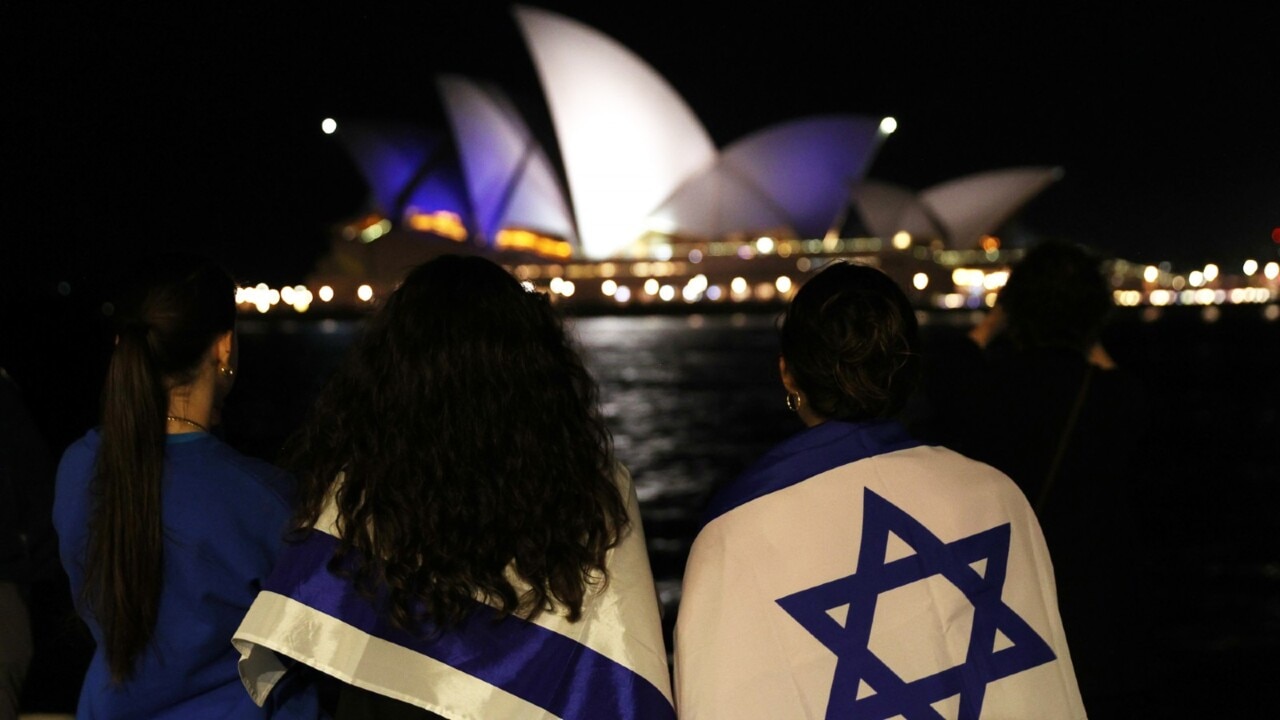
<point x="850" y="339"/>
<point x="468" y="432"/>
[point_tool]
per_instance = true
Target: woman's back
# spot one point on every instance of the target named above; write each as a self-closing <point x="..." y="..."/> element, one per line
<point x="224" y="516"/>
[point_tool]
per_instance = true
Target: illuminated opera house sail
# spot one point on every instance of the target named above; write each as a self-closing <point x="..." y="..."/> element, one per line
<point x="638" y="190"/>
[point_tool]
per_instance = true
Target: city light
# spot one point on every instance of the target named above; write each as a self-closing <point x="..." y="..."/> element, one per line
<point x="328" y="126"/>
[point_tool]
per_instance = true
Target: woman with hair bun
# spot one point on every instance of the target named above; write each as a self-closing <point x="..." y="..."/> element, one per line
<point x="166" y="532"/>
<point x="467" y="546"/>
<point x="853" y="571"/>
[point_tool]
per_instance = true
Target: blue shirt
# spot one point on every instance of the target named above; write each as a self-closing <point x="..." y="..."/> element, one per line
<point x="224" y="518"/>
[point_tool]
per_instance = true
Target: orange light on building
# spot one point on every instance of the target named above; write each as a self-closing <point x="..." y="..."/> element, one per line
<point x="535" y="243"/>
<point x="441" y="222"/>
<point x="990" y="243"/>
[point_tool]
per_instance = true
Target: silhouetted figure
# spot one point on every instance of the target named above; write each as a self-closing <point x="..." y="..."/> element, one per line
<point x="1033" y="392"/>
<point x="467" y="545"/>
<point x="25" y="492"/>
<point x="165" y="531"/>
<point x="854" y="571"/>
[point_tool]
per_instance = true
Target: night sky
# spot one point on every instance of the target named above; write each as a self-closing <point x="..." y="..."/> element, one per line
<point x="127" y="130"/>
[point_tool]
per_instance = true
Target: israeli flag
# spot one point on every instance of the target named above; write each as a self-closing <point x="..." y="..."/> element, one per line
<point x="611" y="663"/>
<point x="854" y="573"/>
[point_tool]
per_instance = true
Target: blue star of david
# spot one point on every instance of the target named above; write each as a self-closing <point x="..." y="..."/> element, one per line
<point x="850" y="642"/>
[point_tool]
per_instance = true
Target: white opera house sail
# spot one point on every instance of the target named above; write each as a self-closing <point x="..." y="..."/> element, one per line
<point x="509" y="177"/>
<point x="795" y="176"/>
<point x="627" y="139"/>
<point x="957" y="212"/>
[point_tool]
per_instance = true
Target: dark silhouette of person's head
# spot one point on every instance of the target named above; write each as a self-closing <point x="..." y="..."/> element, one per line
<point x="1056" y="297"/>
<point x="467" y="431"/>
<point x="175" y="305"/>
<point x="850" y="342"/>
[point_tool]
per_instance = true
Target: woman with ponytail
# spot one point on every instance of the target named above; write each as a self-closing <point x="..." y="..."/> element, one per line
<point x="165" y="531"/>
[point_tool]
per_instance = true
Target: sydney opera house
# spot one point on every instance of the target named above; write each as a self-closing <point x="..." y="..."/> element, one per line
<point x="639" y="208"/>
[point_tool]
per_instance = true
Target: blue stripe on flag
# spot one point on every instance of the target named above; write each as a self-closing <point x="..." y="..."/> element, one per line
<point x="538" y="665"/>
<point x="810" y="452"/>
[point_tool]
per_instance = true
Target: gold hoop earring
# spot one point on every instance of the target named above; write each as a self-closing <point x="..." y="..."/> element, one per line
<point x="794" y="401"/>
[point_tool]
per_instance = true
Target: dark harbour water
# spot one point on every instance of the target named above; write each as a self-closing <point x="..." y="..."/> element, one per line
<point x="692" y="400"/>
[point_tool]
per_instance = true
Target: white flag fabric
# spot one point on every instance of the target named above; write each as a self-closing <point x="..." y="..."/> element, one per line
<point x="854" y="573"/>
<point x="611" y="663"/>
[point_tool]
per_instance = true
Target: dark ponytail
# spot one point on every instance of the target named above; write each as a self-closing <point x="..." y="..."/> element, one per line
<point x="180" y="306"/>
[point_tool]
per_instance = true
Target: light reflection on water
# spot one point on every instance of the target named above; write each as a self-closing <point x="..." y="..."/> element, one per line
<point x="691" y="401"/>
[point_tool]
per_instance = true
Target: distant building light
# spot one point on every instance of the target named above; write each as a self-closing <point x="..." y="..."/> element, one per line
<point x="738" y="286"/>
<point x="888" y="125"/>
<point x="995" y="280"/>
<point x="365" y="293"/>
<point x="1271" y="270"/>
<point x="608" y="288"/>
<point x="652" y="286"/>
<point x="1210" y="272"/>
<point x="622" y="294"/>
<point x="328" y="126"/>
<point x="764" y="245"/>
<point x="666" y="293"/>
<point x="444" y="223"/>
<point x="550" y="247"/>
<point x="695" y="256"/>
<point x="326" y="293"/>
<point x="920" y="281"/>
<point x="783" y="283"/>
<point x="1195" y="278"/>
<point x="1250" y="267"/>
<point x="1151" y="274"/>
<point x="902" y="240"/>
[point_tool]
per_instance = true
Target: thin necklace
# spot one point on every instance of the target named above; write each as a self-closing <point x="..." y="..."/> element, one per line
<point x="192" y="423"/>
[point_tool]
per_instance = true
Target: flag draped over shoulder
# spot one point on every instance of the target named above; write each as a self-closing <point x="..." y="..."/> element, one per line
<point x="854" y="573"/>
<point x="611" y="663"/>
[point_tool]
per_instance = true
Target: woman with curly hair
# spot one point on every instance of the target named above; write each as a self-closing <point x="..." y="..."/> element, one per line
<point x="855" y="572"/>
<point x="467" y="545"/>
